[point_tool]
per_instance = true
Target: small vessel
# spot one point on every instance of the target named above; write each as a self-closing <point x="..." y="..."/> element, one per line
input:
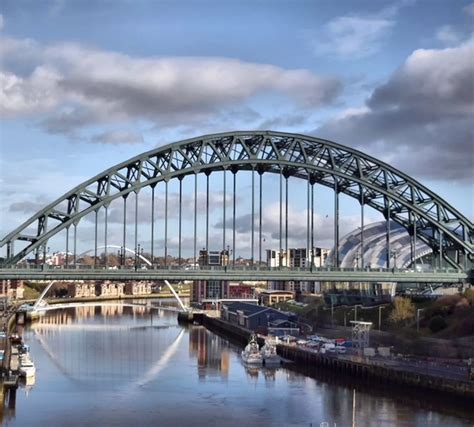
<point x="251" y="354"/>
<point x="15" y="339"/>
<point x="269" y="354"/>
<point x="23" y="348"/>
<point x="27" y="367"/>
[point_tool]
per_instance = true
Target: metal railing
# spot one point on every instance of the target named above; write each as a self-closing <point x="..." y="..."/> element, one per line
<point x="230" y="268"/>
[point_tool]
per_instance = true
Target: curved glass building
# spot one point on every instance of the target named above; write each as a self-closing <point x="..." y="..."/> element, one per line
<point x="375" y="247"/>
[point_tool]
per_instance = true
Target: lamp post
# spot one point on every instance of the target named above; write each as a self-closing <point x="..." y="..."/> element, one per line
<point x="394" y="254"/>
<point x="380" y="317"/>
<point x="355" y="313"/>
<point x="356" y="257"/>
<point x="137" y="256"/>
<point x="332" y="312"/>
<point x="418" y="319"/>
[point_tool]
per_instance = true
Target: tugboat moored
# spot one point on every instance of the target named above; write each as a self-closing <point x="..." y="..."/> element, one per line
<point x="251" y="354"/>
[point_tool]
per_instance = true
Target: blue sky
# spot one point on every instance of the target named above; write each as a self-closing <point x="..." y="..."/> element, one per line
<point x="86" y="85"/>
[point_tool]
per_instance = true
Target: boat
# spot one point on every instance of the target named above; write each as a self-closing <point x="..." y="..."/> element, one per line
<point x="23" y="348"/>
<point x="27" y="367"/>
<point x="269" y="354"/>
<point x="251" y="354"/>
<point x="15" y="339"/>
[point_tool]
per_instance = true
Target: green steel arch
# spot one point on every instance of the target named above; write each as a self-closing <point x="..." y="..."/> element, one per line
<point x="320" y="161"/>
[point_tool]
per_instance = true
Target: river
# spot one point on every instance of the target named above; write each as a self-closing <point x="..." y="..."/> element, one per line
<point x="123" y="366"/>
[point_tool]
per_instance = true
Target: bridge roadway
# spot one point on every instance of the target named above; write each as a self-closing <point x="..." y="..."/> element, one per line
<point x="236" y="274"/>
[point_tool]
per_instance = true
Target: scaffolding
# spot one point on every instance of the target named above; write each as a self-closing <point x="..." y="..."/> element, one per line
<point x="360" y="334"/>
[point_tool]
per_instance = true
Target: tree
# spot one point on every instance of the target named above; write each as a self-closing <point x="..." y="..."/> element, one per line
<point x="403" y="310"/>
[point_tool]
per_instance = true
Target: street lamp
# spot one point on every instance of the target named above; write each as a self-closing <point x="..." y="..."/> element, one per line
<point x="122" y="255"/>
<point x="418" y="319"/>
<point x="137" y="256"/>
<point x="393" y="254"/>
<point x="332" y="312"/>
<point x="355" y="312"/>
<point x="380" y="316"/>
<point x="356" y="258"/>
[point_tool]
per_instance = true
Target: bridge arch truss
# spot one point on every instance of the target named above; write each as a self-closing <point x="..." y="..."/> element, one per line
<point x="317" y="161"/>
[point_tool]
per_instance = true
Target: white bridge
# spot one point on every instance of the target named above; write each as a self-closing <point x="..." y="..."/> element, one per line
<point x="37" y="306"/>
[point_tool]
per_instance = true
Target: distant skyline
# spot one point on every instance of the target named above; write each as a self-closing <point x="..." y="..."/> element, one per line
<point x="86" y="85"/>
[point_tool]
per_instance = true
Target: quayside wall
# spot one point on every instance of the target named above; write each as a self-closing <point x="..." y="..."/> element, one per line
<point x="367" y="370"/>
<point x="364" y="370"/>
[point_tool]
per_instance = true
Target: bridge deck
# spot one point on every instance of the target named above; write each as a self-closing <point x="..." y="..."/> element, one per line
<point x="329" y="275"/>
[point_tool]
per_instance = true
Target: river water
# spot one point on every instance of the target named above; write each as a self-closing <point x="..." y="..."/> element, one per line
<point x="123" y="366"/>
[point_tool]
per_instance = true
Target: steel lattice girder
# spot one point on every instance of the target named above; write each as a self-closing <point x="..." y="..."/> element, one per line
<point x="358" y="175"/>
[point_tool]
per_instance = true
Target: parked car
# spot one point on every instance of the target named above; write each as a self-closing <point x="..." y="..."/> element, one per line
<point x="328" y="347"/>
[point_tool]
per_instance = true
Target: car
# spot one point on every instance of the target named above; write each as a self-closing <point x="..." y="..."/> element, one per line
<point x="341" y="349"/>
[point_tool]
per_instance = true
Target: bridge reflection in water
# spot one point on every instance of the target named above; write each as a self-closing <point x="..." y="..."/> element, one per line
<point x="120" y="365"/>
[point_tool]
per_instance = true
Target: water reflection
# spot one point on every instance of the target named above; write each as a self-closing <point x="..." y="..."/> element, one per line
<point x="7" y="403"/>
<point x="211" y="352"/>
<point x="130" y="366"/>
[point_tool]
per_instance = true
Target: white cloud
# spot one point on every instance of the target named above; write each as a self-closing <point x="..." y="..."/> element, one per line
<point x="297" y="231"/>
<point x="353" y="36"/>
<point x="447" y="35"/>
<point x="70" y="86"/>
<point x="25" y="193"/>
<point x="36" y="93"/>
<point x="469" y="10"/>
<point x="421" y="117"/>
<point x="118" y="137"/>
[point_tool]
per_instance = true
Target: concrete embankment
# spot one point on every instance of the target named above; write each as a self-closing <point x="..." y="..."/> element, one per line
<point x="361" y="369"/>
<point x="7" y="326"/>
<point x="368" y="370"/>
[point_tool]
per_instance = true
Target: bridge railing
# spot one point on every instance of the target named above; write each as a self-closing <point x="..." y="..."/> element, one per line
<point x="230" y="268"/>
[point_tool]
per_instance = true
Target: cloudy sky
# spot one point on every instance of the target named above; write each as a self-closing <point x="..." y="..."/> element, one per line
<point x="88" y="84"/>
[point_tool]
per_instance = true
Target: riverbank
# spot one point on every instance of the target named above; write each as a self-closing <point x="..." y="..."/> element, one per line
<point x="353" y="366"/>
<point x="456" y="348"/>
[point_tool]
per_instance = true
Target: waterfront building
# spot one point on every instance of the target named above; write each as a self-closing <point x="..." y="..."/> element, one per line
<point x="109" y="289"/>
<point x="349" y="293"/>
<point x="57" y="258"/>
<point x="81" y="290"/>
<point x="12" y="289"/>
<point x="373" y="253"/>
<point x="240" y="290"/>
<point x="282" y="327"/>
<point x="253" y="316"/>
<point x="297" y="257"/>
<point x="138" y="288"/>
<point x="271" y="297"/>
<point x="211" y="289"/>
